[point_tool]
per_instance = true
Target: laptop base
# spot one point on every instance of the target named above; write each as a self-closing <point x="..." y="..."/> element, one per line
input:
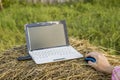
<point x="54" y="54"/>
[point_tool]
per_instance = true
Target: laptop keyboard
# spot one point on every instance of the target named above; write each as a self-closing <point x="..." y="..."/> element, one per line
<point x="59" y="51"/>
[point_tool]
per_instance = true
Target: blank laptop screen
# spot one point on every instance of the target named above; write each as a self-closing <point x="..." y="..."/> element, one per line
<point x="46" y="36"/>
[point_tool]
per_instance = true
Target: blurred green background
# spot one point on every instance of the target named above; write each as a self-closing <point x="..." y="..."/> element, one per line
<point x="95" y="20"/>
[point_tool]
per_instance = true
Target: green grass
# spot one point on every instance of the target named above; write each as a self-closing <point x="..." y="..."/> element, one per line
<point x="96" y="21"/>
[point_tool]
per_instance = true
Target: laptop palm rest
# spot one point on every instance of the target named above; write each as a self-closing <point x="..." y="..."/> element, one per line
<point x="59" y="59"/>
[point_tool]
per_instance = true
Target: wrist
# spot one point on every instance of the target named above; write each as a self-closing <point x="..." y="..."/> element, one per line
<point x="109" y="69"/>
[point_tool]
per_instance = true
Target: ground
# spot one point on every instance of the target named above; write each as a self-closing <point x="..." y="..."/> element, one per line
<point x="77" y="69"/>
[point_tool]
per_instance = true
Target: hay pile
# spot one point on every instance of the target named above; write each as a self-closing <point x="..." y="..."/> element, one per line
<point x="77" y="69"/>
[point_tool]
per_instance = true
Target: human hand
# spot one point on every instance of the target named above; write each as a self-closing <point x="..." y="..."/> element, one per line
<point x="101" y="63"/>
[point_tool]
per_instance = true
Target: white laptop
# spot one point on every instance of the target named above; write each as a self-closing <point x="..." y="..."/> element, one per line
<point x="48" y="42"/>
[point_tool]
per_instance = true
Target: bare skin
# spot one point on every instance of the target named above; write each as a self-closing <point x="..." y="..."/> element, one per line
<point x="101" y="63"/>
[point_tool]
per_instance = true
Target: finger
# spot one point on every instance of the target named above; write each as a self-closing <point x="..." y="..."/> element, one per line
<point x="91" y="54"/>
<point x="92" y="64"/>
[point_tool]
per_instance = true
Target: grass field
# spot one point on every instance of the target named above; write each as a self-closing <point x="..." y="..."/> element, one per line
<point x="97" y="21"/>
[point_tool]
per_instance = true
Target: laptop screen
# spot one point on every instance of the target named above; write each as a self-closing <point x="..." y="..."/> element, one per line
<point x="46" y="36"/>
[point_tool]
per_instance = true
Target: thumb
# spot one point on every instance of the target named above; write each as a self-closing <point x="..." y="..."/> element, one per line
<point x="92" y="64"/>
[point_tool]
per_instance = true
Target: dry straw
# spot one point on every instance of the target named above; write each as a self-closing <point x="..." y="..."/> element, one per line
<point x="77" y="69"/>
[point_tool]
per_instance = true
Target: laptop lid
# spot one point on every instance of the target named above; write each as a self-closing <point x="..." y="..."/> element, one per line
<point x="46" y="35"/>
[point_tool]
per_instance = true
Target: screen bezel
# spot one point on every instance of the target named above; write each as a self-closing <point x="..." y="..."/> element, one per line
<point x="41" y="24"/>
